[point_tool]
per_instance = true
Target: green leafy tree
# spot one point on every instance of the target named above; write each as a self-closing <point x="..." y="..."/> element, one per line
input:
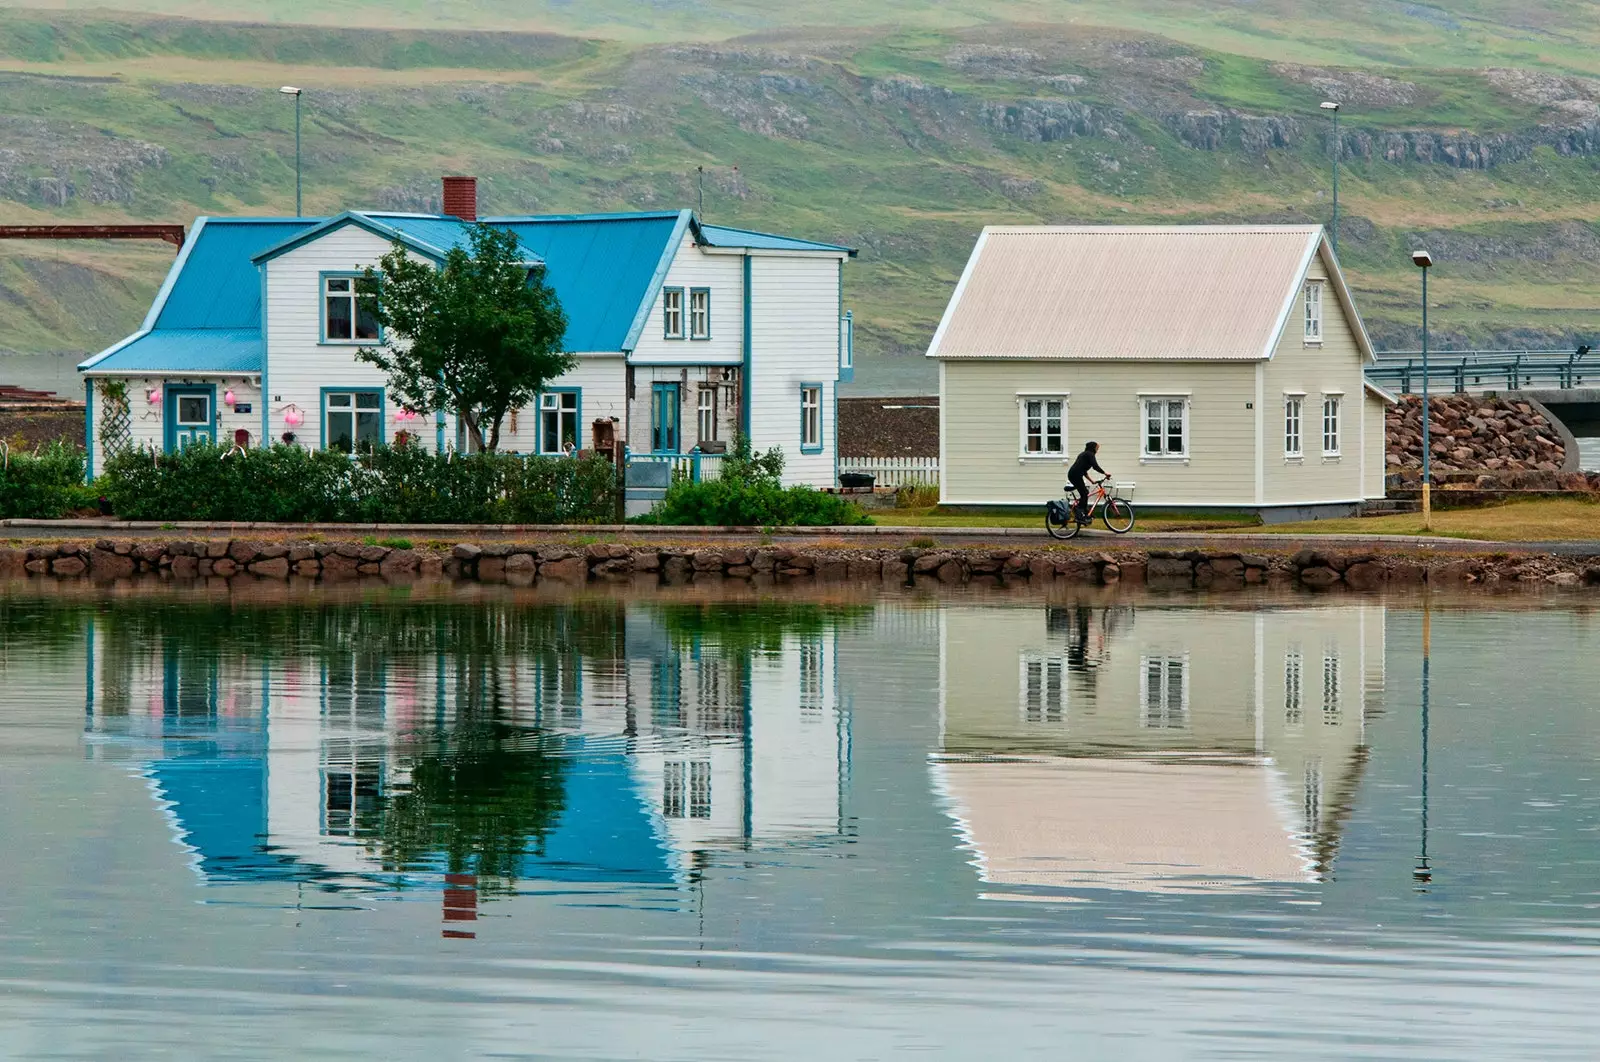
<point x="477" y="336"/>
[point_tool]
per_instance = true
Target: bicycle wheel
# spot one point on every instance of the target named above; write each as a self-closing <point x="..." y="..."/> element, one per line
<point x="1118" y="515"/>
<point x="1059" y="520"/>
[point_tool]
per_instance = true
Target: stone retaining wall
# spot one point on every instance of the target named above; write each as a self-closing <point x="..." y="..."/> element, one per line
<point x="523" y="564"/>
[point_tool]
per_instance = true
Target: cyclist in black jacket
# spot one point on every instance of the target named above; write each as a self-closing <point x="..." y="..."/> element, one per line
<point x="1080" y="469"/>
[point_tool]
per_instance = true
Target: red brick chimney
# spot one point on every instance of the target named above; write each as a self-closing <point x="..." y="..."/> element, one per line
<point x="461" y="197"/>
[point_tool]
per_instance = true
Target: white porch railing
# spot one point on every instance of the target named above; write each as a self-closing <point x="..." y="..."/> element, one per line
<point x="695" y="467"/>
<point x="895" y="471"/>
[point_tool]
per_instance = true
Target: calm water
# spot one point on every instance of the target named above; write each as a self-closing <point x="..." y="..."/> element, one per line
<point x="489" y="825"/>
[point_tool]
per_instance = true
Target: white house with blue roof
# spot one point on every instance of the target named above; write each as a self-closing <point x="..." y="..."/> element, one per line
<point x="685" y="333"/>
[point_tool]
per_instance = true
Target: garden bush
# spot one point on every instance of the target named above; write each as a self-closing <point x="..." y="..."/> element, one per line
<point x="749" y="493"/>
<point x="388" y="485"/>
<point x="45" y="485"/>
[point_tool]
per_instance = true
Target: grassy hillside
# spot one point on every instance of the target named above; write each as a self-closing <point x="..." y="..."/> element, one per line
<point x="901" y="141"/>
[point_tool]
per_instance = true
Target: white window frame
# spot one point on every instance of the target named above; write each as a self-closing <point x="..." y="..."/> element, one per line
<point x="706" y="413"/>
<point x="1024" y="433"/>
<point x="1145" y="401"/>
<point x="810" y="418"/>
<point x="1294" y="425"/>
<point x="203" y="397"/>
<point x="333" y="405"/>
<point x="351" y="294"/>
<point x="1332" y="683"/>
<point x="1294" y="689"/>
<point x="554" y="403"/>
<point x="1333" y="400"/>
<point x="672" y="313"/>
<point x="699" y="311"/>
<point x="1160" y="716"/>
<point x="1042" y="687"/>
<point x="1312" y="317"/>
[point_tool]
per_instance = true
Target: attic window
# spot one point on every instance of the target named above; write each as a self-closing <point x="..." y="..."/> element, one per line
<point x="1314" y="311"/>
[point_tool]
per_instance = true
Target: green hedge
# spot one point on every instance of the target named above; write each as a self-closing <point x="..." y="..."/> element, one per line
<point x="758" y="503"/>
<point x="46" y="485"/>
<point x="388" y="485"/>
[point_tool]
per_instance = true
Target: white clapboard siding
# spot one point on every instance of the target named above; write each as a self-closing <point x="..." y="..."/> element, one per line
<point x="895" y="471"/>
<point x="723" y="276"/>
<point x="794" y="340"/>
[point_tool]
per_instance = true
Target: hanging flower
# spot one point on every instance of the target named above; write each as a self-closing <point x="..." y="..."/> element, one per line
<point x="293" y="417"/>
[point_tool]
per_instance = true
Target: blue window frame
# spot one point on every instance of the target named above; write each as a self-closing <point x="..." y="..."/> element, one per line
<point x="664" y="414"/>
<point x="352" y="418"/>
<point x="811" y="418"/>
<point x="699" y="313"/>
<point x="672" y="325"/>
<point x="191" y="415"/>
<point x="560" y="420"/>
<point x="349" y="305"/>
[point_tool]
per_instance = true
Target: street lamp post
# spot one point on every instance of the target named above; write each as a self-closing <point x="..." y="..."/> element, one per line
<point x="290" y="90"/>
<point x="1424" y="261"/>
<point x="1333" y="108"/>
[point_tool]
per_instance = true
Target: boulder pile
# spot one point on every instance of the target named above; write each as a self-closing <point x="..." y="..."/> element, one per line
<point x="1473" y="433"/>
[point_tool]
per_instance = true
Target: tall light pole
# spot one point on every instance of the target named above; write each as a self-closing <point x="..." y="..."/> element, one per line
<point x="290" y="90"/>
<point x="1333" y="108"/>
<point x="1424" y="261"/>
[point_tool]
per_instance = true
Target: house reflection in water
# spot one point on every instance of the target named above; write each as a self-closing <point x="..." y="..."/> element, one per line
<point x="356" y="746"/>
<point x="1164" y="749"/>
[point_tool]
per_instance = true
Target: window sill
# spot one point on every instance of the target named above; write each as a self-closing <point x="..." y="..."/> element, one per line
<point x="1311" y="343"/>
<point x="674" y="339"/>
<point x="811" y="450"/>
<point x="1330" y="459"/>
<point x="1164" y="459"/>
<point x="700" y="339"/>
<point x="1035" y="459"/>
<point x="1294" y="459"/>
<point x="349" y="342"/>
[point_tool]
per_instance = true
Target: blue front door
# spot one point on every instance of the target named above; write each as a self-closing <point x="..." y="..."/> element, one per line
<point x="664" y="418"/>
<point x="191" y="415"/>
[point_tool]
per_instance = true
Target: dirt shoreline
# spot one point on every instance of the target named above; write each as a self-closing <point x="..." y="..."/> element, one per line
<point x="566" y="559"/>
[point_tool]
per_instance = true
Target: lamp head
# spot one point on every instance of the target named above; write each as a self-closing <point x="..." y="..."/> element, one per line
<point x="290" y="90"/>
<point x="1328" y="105"/>
<point x="1421" y="259"/>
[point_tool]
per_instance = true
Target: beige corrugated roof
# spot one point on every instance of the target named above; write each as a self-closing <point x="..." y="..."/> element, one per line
<point x="1126" y="293"/>
<point x="1124" y="824"/>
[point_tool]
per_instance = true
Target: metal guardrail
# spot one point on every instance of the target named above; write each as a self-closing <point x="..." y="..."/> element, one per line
<point x="1482" y="370"/>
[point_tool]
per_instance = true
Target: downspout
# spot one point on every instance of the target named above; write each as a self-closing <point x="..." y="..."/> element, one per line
<point x="746" y="388"/>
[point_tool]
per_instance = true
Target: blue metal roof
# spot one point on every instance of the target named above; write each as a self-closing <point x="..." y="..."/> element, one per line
<point x="176" y="351"/>
<point x="721" y="236"/>
<point x="604" y="268"/>
<point x="216" y="285"/>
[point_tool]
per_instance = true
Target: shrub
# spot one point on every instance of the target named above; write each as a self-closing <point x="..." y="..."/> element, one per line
<point x="723" y="502"/>
<point x="45" y="485"/>
<point x="388" y="485"/>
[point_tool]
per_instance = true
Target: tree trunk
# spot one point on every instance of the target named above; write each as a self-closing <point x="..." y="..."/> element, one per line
<point x="474" y="432"/>
<point x="494" y="433"/>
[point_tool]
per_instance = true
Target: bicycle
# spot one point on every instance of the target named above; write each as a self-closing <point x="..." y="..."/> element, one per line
<point x="1062" y="521"/>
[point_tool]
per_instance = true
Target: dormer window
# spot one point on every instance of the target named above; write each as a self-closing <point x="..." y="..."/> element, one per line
<point x="1314" y="311"/>
<point x="349" y="309"/>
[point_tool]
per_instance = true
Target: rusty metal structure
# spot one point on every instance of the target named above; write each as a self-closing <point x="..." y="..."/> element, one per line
<point x="173" y="234"/>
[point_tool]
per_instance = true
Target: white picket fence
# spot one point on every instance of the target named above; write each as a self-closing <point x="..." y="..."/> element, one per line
<point x="895" y="471"/>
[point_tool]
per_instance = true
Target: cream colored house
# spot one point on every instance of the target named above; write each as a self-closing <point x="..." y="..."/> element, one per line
<point x="1216" y="366"/>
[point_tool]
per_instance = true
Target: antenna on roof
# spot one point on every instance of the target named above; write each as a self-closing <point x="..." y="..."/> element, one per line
<point x="700" y="179"/>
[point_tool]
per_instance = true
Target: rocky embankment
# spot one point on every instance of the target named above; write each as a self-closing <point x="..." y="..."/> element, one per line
<point x="1485" y="443"/>
<point x="524" y="564"/>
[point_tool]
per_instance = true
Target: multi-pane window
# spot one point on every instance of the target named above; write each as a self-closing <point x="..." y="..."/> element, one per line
<point x="558" y="422"/>
<point x="700" y="314"/>
<point x="351" y="798"/>
<point x="811" y="417"/>
<point x="672" y="313"/>
<point x="1330" y="424"/>
<point x="707" y="414"/>
<point x="1164" y="692"/>
<point x="1044" y="426"/>
<point x="811" y="698"/>
<point x="350" y="309"/>
<point x="1330" y="689"/>
<point x="1044" y="688"/>
<point x="1293" y="408"/>
<point x="1314" y="312"/>
<point x="354" y="420"/>
<point x="1293" y="688"/>
<point x="1166" y="424"/>
<point x="686" y="789"/>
